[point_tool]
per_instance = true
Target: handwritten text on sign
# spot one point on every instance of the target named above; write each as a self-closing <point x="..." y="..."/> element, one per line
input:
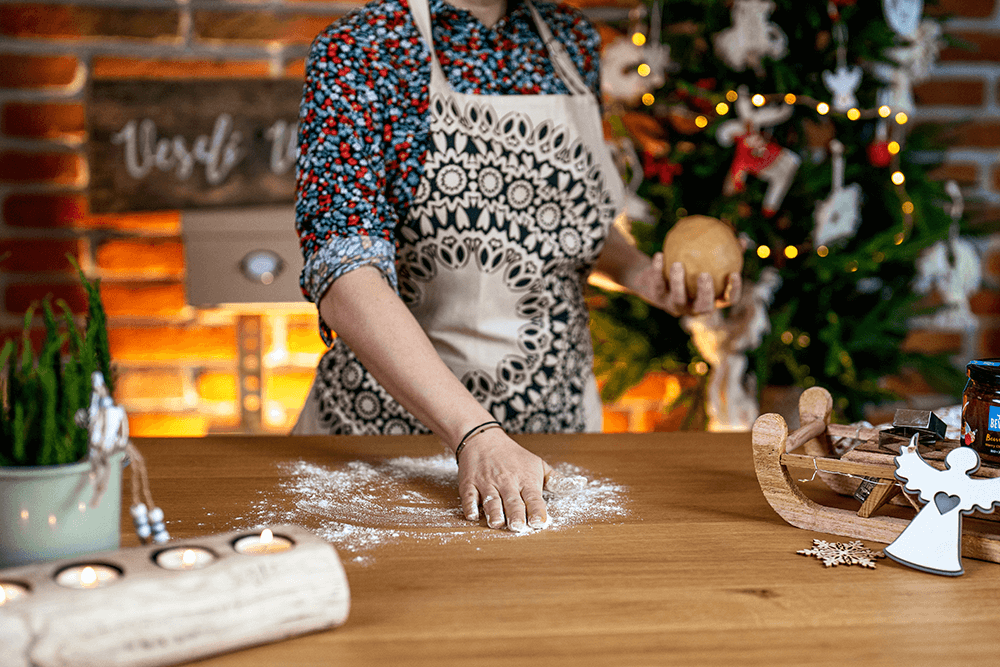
<point x="191" y="144"/>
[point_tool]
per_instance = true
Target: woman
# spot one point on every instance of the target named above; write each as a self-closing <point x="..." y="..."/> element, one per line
<point x="451" y="203"/>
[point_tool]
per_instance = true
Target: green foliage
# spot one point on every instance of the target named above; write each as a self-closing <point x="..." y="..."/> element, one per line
<point x="838" y="320"/>
<point x="42" y="393"/>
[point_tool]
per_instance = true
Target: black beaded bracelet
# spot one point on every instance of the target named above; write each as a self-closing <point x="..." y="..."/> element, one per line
<point x="485" y="426"/>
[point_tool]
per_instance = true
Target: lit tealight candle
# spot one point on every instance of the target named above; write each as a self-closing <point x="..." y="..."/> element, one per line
<point x="265" y="543"/>
<point x="9" y="592"/>
<point x="93" y="575"/>
<point x="185" y="558"/>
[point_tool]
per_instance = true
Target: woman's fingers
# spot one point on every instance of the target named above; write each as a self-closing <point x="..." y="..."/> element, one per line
<point x="470" y="502"/>
<point x="493" y="509"/>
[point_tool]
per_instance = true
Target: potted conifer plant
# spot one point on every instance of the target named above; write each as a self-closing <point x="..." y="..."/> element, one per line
<point x="51" y="505"/>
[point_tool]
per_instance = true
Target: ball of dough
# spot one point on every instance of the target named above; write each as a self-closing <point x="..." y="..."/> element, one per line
<point x="703" y="245"/>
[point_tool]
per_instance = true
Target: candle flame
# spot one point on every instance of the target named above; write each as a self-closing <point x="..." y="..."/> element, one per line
<point x="88" y="577"/>
<point x="3" y="595"/>
<point x="266" y="536"/>
<point x="188" y="558"/>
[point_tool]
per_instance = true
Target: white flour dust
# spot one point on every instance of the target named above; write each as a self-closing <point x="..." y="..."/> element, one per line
<point x="362" y="505"/>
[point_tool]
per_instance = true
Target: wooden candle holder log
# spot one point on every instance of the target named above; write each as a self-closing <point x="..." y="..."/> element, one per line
<point x="843" y="469"/>
<point x="154" y="616"/>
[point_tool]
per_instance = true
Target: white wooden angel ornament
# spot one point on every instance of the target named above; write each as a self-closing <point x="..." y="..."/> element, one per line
<point x="914" y="60"/>
<point x="844" y="81"/>
<point x="839" y="215"/>
<point x="621" y="79"/>
<point x="757" y="155"/>
<point x="903" y="16"/>
<point x="751" y="37"/>
<point x="932" y="542"/>
<point x="953" y="269"/>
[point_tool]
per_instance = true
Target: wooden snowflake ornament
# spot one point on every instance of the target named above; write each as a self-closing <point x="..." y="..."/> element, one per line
<point x="841" y="553"/>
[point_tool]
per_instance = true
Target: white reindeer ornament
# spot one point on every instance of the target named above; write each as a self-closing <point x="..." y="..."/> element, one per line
<point x="751" y="37"/>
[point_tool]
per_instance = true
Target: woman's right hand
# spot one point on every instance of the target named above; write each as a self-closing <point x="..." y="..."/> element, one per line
<point x="506" y="479"/>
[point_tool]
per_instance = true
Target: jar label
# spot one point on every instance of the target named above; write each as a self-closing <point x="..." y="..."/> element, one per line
<point x="983" y="362"/>
<point x="994" y="418"/>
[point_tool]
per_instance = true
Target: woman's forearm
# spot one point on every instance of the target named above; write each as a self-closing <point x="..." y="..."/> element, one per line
<point x="378" y="327"/>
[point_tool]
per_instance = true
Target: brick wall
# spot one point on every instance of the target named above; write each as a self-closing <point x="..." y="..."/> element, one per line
<point x="179" y="366"/>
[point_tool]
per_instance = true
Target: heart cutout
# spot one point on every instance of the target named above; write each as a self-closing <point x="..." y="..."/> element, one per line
<point x="945" y="502"/>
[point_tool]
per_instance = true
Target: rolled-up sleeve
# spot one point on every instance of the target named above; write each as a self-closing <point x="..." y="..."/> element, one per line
<point x="342" y="216"/>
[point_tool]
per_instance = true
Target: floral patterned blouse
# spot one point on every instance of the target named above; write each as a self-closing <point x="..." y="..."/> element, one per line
<point x="363" y="122"/>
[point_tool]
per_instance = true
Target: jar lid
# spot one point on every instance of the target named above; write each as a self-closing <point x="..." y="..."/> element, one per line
<point x="984" y="370"/>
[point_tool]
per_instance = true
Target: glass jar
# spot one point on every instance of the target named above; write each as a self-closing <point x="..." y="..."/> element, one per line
<point x="981" y="409"/>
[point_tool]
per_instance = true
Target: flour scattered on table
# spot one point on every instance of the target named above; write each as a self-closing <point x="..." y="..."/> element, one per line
<point x="362" y="505"/>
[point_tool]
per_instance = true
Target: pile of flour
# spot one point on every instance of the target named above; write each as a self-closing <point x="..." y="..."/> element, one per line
<point x="362" y="505"/>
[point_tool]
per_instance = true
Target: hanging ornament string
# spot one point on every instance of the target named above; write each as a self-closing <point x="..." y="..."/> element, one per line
<point x="107" y="425"/>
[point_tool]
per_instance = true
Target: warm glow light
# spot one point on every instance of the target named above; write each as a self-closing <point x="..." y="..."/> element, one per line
<point x="88" y="577"/>
<point x="638" y="38"/>
<point x="266" y="536"/>
<point x="901" y="118"/>
<point x="790" y="98"/>
<point x="699" y="368"/>
<point x="787" y="337"/>
<point x="852" y="266"/>
<point x="722" y="108"/>
<point x="898" y="178"/>
<point x="701" y="121"/>
<point x="893" y="147"/>
<point x="3" y="595"/>
<point x="648" y="99"/>
<point x="878" y="257"/>
<point x="803" y="340"/>
<point x="899" y="239"/>
<point x="907" y="207"/>
<point x="643" y="69"/>
<point x="763" y="252"/>
<point x="884" y="111"/>
<point x="52" y="519"/>
<point x="188" y="558"/>
<point x="822" y="251"/>
<point x="853" y="114"/>
<point x="791" y="252"/>
<point x="823" y="108"/>
<point x="732" y="96"/>
<point x="758" y="100"/>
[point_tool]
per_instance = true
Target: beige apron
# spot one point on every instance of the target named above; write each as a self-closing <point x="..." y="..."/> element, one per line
<point x="515" y="199"/>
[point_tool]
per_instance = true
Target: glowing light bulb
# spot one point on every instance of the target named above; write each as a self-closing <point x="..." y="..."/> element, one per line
<point x="898" y="239"/>
<point x="701" y="121"/>
<point x="732" y="96"/>
<point x="893" y="147"/>
<point x="648" y="99"/>
<point x="638" y="38"/>
<point x="266" y="536"/>
<point x="790" y="98"/>
<point x="643" y="69"/>
<point x="722" y="108"/>
<point x="787" y="337"/>
<point x="853" y="114"/>
<point x="188" y="558"/>
<point x="884" y="111"/>
<point x="822" y="108"/>
<point x="898" y="178"/>
<point x="901" y="118"/>
<point x="822" y="251"/>
<point x="791" y="252"/>
<point x="763" y="252"/>
<point x="88" y="577"/>
<point x="907" y="207"/>
<point x="758" y="100"/>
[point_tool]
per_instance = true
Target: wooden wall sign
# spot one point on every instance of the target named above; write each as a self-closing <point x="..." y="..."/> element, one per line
<point x="188" y="144"/>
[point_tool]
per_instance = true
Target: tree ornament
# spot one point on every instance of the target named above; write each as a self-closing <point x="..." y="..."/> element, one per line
<point x="751" y="37"/>
<point x="731" y="401"/>
<point x="932" y="542"/>
<point x="838" y="215"/>
<point x="628" y="70"/>
<point x="903" y="16"/>
<point x="951" y="268"/>
<point x="878" y="150"/>
<point x="914" y="60"/>
<point x="703" y="245"/>
<point x="844" y="82"/>
<point x="757" y="155"/>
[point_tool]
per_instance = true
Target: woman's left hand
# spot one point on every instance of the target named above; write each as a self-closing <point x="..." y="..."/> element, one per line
<point x="670" y="293"/>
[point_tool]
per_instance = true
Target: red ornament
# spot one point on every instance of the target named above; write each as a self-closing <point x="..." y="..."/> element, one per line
<point x="878" y="153"/>
<point x="663" y="170"/>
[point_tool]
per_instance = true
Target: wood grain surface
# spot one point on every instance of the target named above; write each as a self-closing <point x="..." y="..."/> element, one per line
<point x="701" y="572"/>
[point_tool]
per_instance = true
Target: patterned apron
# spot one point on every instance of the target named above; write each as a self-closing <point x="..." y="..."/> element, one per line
<point x="516" y="197"/>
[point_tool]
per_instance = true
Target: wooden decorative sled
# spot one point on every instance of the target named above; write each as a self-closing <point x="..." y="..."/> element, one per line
<point x="846" y="458"/>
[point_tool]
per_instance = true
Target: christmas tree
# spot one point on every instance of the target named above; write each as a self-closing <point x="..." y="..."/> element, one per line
<point x="792" y="122"/>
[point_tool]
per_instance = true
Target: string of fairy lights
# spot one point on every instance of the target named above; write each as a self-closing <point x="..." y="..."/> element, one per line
<point x="881" y="113"/>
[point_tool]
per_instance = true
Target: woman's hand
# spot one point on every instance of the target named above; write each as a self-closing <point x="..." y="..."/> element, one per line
<point x="506" y="479"/>
<point x="670" y="294"/>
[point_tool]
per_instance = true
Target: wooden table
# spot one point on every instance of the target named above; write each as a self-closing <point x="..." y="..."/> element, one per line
<point x="702" y="571"/>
